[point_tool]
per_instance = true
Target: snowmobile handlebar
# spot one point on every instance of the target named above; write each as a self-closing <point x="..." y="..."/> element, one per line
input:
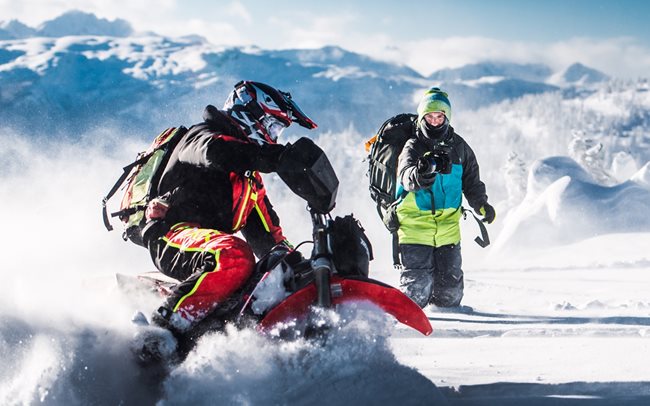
<point x="306" y="170"/>
<point x="321" y="259"/>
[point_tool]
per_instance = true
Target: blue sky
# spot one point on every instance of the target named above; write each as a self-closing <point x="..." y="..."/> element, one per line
<point x="542" y="20"/>
<point x="612" y="36"/>
<point x="547" y="20"/>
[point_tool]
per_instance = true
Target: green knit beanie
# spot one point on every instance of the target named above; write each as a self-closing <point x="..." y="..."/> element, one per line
<point x="434" y="99"/>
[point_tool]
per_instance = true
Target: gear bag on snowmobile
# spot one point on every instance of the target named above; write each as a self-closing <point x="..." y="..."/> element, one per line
<point x="141" y="177"/>
<point x="351" y="248"/>
<point x="383" y="152"/>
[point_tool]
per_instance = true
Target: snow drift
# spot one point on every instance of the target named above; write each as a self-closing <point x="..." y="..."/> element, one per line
<point x="564" y="204"/>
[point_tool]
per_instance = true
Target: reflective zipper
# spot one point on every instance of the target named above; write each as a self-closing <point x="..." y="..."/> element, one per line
<point x="244" y="203"/>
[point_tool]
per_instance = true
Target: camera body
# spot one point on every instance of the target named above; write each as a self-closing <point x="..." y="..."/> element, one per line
<point x="440" y="158"/>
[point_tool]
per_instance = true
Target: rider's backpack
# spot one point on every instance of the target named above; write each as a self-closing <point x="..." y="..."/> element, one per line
<point x="141" y="178"/>
<point x="384" y="149"/>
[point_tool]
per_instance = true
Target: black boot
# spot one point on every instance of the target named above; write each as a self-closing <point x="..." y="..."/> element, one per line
<point x="153" y="343"/>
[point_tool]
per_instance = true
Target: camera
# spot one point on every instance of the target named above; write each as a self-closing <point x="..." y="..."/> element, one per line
<point x="440" y="159"/>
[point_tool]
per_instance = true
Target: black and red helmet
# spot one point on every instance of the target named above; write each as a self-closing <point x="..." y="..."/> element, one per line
<point x="268" y="107"/>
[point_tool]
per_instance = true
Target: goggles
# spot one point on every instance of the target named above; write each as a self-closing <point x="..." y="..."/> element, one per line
<point x="274" y="127"/>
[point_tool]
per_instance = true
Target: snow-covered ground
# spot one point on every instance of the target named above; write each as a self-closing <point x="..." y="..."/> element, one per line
<point x="547" y="324"/>
<point x="541" y="333"/>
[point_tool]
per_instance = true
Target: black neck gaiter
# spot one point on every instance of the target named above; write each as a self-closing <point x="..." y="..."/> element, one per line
<point x="435" y="134"/>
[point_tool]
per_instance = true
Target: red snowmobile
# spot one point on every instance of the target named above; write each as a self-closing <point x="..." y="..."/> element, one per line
<point x="286" y="291"/>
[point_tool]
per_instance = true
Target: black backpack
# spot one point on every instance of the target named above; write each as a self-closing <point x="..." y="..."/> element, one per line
<point x="351" y="248"/>
<point x="141" y="177"/>
<point x="384" y="149"/>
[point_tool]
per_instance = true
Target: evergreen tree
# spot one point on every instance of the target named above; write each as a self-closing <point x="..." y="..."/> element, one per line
<point x="591" y="155"/>
<point x="516" y="175"/>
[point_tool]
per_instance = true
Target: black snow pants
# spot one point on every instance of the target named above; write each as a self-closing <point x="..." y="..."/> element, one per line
<point x="432" y="275"/>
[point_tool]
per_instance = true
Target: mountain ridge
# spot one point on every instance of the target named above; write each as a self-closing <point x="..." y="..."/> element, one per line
<point x="72" y="22"/>
<point x="145" y="79"/>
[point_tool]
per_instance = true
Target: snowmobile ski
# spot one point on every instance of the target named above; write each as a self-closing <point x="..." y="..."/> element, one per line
<point x="389" y="299"/>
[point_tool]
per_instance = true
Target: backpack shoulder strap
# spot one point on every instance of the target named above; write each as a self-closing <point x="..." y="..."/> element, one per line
<point x="126" y="171"/>
<point x="484" y="240"/>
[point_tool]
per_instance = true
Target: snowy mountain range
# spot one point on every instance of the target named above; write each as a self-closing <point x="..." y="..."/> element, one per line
<point x="78" y="72"/>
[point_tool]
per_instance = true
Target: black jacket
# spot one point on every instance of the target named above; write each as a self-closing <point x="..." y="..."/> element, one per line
<point x="460" y="153"/>
<point x="212" y="177"/>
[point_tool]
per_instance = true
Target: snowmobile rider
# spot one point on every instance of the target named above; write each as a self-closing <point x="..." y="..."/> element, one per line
<point x="210" y="189"/>
<point x="435" y="168"/>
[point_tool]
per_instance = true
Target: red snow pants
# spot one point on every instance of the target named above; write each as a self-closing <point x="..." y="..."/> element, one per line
<point x="211" y="266"/>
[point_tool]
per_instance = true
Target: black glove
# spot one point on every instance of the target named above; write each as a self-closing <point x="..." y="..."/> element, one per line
<point x="488" y="213"/>
<point x="270" y="155"/>
<point x="425" y="166"/>
<point x="425" y="175"/>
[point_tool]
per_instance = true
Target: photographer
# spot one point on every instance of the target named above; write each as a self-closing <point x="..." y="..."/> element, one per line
<point x="435" y="168"/>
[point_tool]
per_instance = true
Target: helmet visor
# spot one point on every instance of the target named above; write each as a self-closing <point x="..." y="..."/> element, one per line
<point x="296" y="114"/>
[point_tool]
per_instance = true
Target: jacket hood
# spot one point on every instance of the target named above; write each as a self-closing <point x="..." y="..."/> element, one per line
<point x="221" y="121"/>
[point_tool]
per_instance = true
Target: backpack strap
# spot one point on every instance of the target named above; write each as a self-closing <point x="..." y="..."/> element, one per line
<point x="397" y="263"/>
<point x="125" y="174"/>
<point x="484" y="240"/>
<point x="394" y="226"/>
